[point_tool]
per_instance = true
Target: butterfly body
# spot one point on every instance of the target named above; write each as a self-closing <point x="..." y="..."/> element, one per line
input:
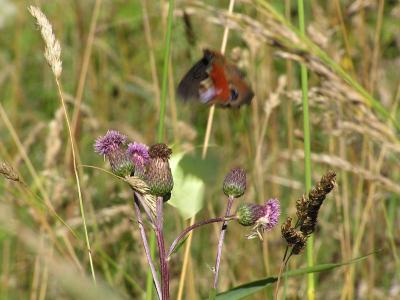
<point x="213" y="80"/>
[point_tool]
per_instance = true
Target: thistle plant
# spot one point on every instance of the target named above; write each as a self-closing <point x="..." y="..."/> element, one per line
<point x="147" y="171"/>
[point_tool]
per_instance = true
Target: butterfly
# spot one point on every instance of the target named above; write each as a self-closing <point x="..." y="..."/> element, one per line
<point x="214" y="80"/>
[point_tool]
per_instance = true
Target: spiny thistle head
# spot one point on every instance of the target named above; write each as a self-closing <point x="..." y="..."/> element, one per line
<point x="235" y="183"/>
<point x="139" y="154"/>
<point x="111" y="146"/>
<point x="158" y="172"/>
<point x="261" y="217"/>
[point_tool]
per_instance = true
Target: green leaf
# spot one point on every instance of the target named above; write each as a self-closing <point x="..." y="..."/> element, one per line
<point x="188" y="193"/>
<point x="250" y="288"/>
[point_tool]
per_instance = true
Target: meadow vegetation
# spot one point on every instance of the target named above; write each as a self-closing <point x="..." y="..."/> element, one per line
<point x="57" y="201"/>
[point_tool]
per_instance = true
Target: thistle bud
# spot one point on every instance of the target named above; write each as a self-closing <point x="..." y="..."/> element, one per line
<point x="235" y="183"/>
<point x="248" y="213"/>
<point x="111" y="146"/>
<point x="158" y="173"/>
<point x="261" y="217"/>
<point x="139" y="155"/>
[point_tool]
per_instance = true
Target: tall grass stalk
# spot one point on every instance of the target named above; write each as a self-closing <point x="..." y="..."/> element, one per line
<point x="53" y="56"/>
<point x="82" y="210"/>
<point x="307" y="152"/>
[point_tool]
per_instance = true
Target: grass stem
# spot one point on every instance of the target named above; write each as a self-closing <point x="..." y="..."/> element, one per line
<point x="307" y="153"/>
<point x="72" y="141"/>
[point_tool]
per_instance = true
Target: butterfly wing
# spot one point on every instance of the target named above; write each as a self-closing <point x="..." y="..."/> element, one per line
<point x="189" y="86"/>
<point x="213" y="80"/>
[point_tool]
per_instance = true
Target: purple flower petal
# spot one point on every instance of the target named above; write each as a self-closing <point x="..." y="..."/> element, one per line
<point x="271" y="215"/>
<point x="110" y="142"/>
<point x="138" y="153"/>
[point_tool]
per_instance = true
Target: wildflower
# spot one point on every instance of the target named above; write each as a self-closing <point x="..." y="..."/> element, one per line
<point x="111" y="146"/>
<point x="261" y="217"/>
<point x="235" y="183"/>
<point x="139" y="155"/>
<point x="158" y="172"/>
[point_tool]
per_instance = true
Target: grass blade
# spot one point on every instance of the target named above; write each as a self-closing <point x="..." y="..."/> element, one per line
<point x="250" y="288"/>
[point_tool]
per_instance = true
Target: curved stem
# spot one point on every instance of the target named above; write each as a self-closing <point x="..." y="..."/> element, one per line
<point x="194" y="226"/>
<point x="221" y="242"/>
<point x="146" y="246"/>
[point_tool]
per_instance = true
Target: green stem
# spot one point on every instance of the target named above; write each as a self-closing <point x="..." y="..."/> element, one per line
<point x="164" y="86"/>
<point x="160" y="131"/>
<point x="307" y="152"/>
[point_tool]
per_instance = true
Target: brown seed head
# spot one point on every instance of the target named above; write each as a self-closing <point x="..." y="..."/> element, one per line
<point x="160" y="151"/>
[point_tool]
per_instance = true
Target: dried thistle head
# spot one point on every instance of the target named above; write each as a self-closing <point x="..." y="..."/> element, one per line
<point x="52" y="52"/>
<point x="160" y="151"/>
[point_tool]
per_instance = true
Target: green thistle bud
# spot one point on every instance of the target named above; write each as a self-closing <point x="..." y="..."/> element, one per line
<point x="235" y="183"/>
<point x="120" y="163"/>
<point x="246" y="214"/>
<point x="158" y="174"/>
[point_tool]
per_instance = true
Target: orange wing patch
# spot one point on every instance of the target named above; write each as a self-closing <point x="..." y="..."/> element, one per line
<point x="221" y="85"/>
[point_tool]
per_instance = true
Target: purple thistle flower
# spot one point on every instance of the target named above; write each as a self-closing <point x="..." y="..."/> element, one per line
<point x="111" y="146"/>
<point x="139" y="153"/>
<point x="272" y="211"/>
<point x="110" y="142"/>
<point x="261" y="217"/>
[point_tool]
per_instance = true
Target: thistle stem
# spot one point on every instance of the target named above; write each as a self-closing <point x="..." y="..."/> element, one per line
<point x="221" y="242"/>
<point x="146" y="245"/>
<point x="161" y="250"/>
<point x="194" y="226"/>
